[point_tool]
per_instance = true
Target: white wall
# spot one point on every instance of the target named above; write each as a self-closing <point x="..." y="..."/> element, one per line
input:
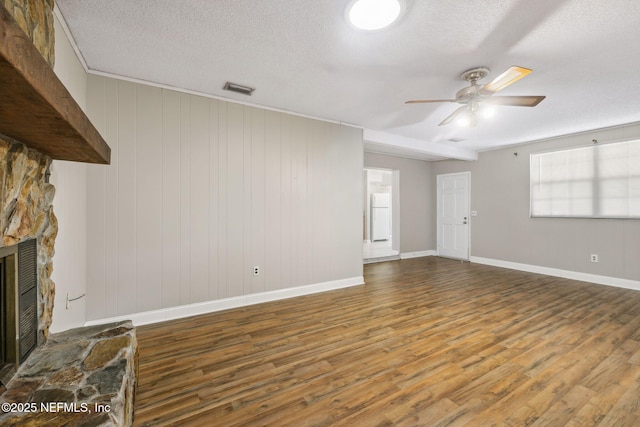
<point x="503" y="231"/>
<point x="69" y="178"/>
<point x="201" y="190"/>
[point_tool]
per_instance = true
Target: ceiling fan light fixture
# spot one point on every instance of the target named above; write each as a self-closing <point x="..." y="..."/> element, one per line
<point x="373" y="15"/>
<point x="478" y="99"/>
<point x="463" y="122"/>
<point x="467" y="119"/>
<point x="487" y="111"/>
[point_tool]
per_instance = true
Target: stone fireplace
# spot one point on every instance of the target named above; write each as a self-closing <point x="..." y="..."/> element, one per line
<point x="95" y="367"/>
<point x="40" y="121"/>
<point x="26" y="214"/>
<point x="26" y="198"/>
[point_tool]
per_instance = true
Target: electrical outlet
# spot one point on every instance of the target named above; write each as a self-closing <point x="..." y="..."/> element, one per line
<point x="256" y="270"/>
<point x="594" y="257"/>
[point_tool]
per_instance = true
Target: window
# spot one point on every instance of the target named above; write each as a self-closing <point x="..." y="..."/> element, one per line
<point x="599" y="181"/>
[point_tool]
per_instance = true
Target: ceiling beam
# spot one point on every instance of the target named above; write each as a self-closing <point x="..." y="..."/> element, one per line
<point x="429" y="148"/>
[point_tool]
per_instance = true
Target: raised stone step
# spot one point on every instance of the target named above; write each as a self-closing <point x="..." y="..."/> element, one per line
<point x="84" y="376"/>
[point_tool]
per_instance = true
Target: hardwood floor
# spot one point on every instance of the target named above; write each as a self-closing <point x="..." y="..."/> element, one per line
<point x="427" y="341"/>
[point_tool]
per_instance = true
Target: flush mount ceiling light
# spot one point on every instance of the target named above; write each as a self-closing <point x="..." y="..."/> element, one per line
<point x="374" y="14"/>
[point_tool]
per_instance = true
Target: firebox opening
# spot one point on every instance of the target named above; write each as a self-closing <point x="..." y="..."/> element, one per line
<point x="18" y="306"/>
<point x="8" y="353"/>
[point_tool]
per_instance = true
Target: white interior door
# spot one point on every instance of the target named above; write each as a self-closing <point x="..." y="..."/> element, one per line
<point x="453" y="215"/>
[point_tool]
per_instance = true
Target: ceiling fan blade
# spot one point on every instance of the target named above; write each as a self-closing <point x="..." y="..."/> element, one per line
<point x="505" y="79"/>
<point x="426" y="101"/>
<point x="515" y="101"/>
<point x="453" y="116"/>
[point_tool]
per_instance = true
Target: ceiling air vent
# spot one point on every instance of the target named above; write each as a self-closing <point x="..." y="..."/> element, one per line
<point x="233" y="87"/>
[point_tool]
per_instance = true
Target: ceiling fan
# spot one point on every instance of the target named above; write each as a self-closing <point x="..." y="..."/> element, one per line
<point x="479" y="98"/>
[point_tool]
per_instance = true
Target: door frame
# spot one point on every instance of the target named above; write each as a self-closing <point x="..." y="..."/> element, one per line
<point x="395" y="206"/>
<point x="468" y="216"/>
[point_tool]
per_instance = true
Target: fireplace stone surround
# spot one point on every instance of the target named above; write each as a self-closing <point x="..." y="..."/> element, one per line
<point x="26" y="197"/>
<point x="26" y="212"/>
<point x="78" y="367"/>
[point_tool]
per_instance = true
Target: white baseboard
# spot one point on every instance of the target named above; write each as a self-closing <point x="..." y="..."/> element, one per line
<point x="171" y="313"/>
<point x="380" y="259"/>
<point x="567" y="274"/>
<point x="407" y="255"/>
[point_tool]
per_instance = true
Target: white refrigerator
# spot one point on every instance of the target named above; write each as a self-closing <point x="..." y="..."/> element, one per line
<point x="380" y="216"/>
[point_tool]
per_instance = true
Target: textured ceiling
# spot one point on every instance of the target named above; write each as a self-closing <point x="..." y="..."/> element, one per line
<point x="301" y="56"/>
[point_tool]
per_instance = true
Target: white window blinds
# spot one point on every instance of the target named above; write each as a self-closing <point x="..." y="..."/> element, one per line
<point x="599" y="181"/>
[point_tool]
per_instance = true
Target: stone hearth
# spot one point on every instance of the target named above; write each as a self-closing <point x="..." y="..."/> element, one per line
<point x="83" y="376"/>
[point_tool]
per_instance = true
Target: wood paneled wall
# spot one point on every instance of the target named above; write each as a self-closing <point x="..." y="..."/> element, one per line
<point x="201" y="190"/>
<point x="69" y="203"/>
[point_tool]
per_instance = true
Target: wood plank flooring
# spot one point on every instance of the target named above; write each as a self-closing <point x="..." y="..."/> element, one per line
<point x="427" y="341"/>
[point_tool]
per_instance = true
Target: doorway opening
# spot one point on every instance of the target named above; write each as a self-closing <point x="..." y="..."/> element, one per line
<point x="381" y="217"/>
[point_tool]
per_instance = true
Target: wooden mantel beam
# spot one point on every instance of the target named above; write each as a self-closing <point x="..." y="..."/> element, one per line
<point x="36" y="108"/>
